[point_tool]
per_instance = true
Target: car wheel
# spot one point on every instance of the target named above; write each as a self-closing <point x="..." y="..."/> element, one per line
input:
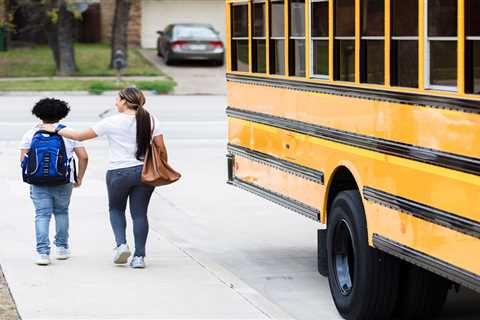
<point x="422" y="293"/>
<point x="363" y="280"/>
<point x="168" y="59"/>
<point x="220" y="62"/>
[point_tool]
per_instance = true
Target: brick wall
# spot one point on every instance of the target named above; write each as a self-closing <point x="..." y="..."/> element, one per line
<point x="134" y="25"/>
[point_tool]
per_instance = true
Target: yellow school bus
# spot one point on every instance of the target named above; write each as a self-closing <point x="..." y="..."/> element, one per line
<point x="364" y="115"/>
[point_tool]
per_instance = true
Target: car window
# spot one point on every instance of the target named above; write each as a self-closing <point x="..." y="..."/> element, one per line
<point x="194" y="32"/>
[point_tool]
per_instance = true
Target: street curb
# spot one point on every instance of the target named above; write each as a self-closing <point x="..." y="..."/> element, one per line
<point x="250" y="295"/>
<point x="268" y="308"/>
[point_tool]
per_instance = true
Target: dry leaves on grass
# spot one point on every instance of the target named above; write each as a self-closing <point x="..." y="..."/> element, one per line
<point x="8" y="310"/>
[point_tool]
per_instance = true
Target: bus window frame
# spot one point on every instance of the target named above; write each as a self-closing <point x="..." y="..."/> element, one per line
<point x="291" y="40"/>
<point x="427" y="64"/>
<point x="313" y="39"/>
<point x="364" y="40"/>
<point x="233" y="38"/>
<point x="273" y="39"/>
<point x="255" y="38"/>
<point x="336" y="50"/>
<point x="395" y="40"/>
<point x="470" y="41"/>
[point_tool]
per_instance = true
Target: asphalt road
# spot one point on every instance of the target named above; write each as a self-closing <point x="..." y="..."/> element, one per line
<point x="270" y="248"/>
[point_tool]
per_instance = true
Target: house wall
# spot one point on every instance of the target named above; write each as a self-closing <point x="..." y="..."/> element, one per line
<point x="134" y="25"/>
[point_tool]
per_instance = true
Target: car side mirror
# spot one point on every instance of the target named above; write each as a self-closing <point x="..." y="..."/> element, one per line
<point x="160" y="33"/>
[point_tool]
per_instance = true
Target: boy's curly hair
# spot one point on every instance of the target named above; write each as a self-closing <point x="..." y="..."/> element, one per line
<point x="51" y="110"/>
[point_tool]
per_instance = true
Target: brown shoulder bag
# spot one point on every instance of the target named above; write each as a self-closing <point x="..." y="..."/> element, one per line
<point x="156" y="170"/>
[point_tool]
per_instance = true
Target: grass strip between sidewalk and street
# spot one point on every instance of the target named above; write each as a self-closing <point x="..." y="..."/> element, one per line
<point x="92" y="60"/>
<point x="92" y="86"/>
<point x="8" y="310"/>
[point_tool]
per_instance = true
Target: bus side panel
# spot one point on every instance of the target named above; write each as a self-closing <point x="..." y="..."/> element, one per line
<point x="409" y="124"/>
<point x="427" y="184"/>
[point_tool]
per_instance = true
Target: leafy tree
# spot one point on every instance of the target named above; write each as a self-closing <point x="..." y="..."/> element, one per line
<point x="57" y="19"/>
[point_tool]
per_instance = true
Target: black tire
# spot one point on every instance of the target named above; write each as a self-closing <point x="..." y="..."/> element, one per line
<point x="422" y="294"/>
<point x="363" y="280"/>
<point x="220" y="62"/>
<point x="168" y="59"/>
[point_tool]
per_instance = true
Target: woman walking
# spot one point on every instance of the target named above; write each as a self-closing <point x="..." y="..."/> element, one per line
<point x="129" y="134"/>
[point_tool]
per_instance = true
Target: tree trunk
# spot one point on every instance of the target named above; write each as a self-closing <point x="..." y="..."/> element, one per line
<point x="120" y="28"/>
<point x="52" y="36"/>
<point x="66" y="50"/>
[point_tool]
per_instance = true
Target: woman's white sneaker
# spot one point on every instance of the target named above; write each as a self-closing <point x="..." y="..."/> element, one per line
<point x="137" y="263"/>
<point x="43" y="260"/>
<point x="62" y="253"/>
<point x="121" y="255"/>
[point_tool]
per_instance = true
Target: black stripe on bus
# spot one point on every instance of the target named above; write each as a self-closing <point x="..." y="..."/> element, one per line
<point x="464" y="105"/>
<point x="284" y="165"/>
<point x="407" y="151"/>
<point x="424" y="212"/>
<point x="280" y="199"/>
<point x="440" y="267"/>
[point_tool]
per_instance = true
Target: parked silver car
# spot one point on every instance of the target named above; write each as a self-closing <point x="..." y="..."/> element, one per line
<point x="190" y="41"/>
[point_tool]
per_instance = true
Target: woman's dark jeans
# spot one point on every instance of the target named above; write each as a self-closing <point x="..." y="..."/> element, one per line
<point x="124" y="184"/>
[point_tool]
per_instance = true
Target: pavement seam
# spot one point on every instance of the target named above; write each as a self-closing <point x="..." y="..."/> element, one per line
<point x="217" y="270"/>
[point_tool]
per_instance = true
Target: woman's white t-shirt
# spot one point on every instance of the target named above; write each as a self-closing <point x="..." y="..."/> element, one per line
<point x="121" y="133"/>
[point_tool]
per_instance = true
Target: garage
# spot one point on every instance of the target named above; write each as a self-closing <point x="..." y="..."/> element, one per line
<point x="157" y="14"/>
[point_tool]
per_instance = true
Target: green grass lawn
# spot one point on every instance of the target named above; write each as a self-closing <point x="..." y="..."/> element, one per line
<point x="92" y="60"/>
<point x="92" y="86"/>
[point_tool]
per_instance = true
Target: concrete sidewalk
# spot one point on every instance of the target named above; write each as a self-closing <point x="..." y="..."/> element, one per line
<point x="176" y="284"/>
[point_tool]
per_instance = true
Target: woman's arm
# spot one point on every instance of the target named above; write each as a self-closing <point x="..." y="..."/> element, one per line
<point x="71" y="134"/>
<point x="78" y="135"/>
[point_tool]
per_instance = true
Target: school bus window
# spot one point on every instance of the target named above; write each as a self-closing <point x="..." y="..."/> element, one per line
<point x="240" y="37"/>
<point x="404" y="66"/>
<point x="442" y="44"/>
<point x="319" y="32"/>
<point x="297" y="38"/>
<point x="259" y="33"/>
<point x="373" y="53"/>
<point x="277" y="37"/>
<point x="472" y="60"/>
<point x="344" y="40"/>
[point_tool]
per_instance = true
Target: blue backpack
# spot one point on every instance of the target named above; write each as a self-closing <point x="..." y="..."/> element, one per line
<point x="46" y="163"/>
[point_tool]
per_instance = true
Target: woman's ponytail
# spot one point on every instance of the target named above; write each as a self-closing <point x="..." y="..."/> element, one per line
<point x="144" y="132"/>
<point x="136" y="100"/>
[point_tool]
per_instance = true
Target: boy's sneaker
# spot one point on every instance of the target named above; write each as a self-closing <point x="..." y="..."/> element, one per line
<point x="137" y="263"/>
<point x="62" y="253"/>
<point x="43" y="260"/>
<point x="121" y="255"/>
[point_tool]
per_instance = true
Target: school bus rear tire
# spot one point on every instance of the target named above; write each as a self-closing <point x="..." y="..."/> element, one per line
<point x="422" y="294"/>
<point x="363" y="280"/>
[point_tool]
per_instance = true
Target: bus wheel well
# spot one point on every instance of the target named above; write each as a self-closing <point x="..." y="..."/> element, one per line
<point x="341" y="180"/>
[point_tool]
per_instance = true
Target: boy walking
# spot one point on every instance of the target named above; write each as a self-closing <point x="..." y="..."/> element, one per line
<point x="48" y="165"/>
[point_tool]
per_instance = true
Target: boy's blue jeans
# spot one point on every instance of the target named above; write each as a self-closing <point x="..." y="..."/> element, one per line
<point x="50" y="200"/>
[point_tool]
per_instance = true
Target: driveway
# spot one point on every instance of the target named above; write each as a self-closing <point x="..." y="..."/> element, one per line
<point x="193" y="78"/>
